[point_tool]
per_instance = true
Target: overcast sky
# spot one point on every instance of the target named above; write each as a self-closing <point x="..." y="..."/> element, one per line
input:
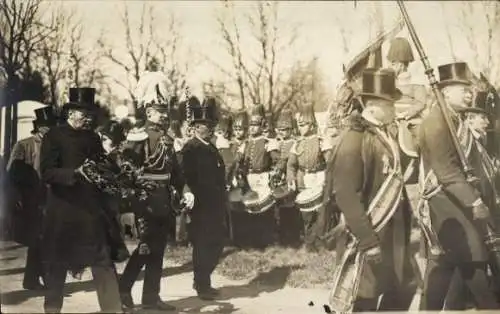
<point x="318" y="32"/>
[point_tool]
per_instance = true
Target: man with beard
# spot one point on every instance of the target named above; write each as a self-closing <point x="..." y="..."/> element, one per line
<point x="158" y="156"/>
<point x="75" y="234"/>
<point x="204" y="171"/>
<point x="457" y="211"/>
<point x="24" y="177"/>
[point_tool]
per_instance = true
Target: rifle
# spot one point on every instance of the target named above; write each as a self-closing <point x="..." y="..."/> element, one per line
<point x="492" y="240"/>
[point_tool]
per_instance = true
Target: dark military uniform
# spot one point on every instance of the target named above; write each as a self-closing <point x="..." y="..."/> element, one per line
<point x="156" y="213"/>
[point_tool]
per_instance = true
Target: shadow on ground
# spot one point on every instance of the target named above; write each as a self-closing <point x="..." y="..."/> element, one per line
<point x="19" y="296"/>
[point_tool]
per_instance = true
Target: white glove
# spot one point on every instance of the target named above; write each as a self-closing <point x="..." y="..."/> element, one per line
<point x="189" y="199"/>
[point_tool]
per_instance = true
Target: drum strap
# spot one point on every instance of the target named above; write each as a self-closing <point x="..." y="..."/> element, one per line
<point x="352" y="267"/>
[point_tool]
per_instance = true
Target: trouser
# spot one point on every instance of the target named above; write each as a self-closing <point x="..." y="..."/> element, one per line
<point x="309" y="219"/>
<point x="34" y="267"/>
<point x="105" y="279"/>
<point x="438" y="280"/>
<point x="181" y="229"/>
<point x="152" y="261"/>
<point x="290" y="225"/>
<point x="396" y="295"/>
<point x="206" y="256"/>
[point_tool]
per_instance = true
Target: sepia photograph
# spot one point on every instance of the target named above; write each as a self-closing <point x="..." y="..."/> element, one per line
<point x="249" y="156"/>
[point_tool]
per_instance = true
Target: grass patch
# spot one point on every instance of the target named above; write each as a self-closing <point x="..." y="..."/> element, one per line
<point x="273" y="266"/>
<point x="304" y="269"/>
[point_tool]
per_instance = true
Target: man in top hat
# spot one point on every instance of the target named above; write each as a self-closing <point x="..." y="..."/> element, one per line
<point x="29" y="193"/>
<point x="289" y="220"/>
<point x="360" y="180"/>
<point x="307" y="162"/>
<point x="75" y="232"/>
<point x="157" y="215"/>
<point x="204" y="171"/>
<point x="475" y="124"/>
<point x="456" y="207"/>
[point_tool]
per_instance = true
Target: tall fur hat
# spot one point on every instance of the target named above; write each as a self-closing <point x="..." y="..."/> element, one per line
<point x="257" y="115"/>
<point x="400" y="51"/>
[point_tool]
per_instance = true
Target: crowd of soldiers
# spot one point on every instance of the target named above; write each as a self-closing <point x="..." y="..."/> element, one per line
<point x="194" y="176"/>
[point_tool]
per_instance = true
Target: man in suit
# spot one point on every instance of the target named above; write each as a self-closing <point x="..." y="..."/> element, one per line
<point x="204" y="171"/>
<point x="76" y="231"/>
<point x="456" y="209"/>
<point x="24" y="177"/>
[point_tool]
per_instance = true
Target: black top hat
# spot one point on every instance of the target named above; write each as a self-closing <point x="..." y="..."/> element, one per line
<point x="204" y="112"/>
<point x="81" y="98"/>
<point x="454" y="73"/>
<point x="380" y="83"/>
<point x="44" y="117"/>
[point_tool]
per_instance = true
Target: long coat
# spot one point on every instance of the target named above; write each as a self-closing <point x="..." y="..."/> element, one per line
<point x="74" y="228"/>
<point x="358" y="173"/>
<point x="204" y="172"/>
<point x="450" y="208"/>
<point x="26" y="188"/>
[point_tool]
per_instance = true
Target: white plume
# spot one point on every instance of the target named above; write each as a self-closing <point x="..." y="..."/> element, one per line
<point x="146" y="90"/>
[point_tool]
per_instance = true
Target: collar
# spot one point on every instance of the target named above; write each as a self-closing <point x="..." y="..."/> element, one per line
<point x="404" y="78"/>
<point x="222" y="142"/>
<point x="202" y="140"/>
<point x="370" y="118"/>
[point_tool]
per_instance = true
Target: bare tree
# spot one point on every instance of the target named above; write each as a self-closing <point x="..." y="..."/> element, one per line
<point x="53" y="51"/>
<point x="479" y="22"/>
<point x="21" y="30"/>
<point x="141" y="44"/>
<point x="257" y="76"/>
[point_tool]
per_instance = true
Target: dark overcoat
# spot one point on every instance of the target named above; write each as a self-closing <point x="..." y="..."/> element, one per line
<point x="204" y="172"/>
<point x="26" y="189"/>
<point x="75" y="226"/>
<point x="358" y="173"/>
<point x="451" y="208"/>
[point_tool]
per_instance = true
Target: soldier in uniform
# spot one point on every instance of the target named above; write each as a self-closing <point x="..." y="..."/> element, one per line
<point x="456" y="208"/>
<point x="369" y="198"/>
<point x="204" y="171"/>
<point x="235" y="180"/>
<point x="75" y="235"/>
<point x="24" y="177"/>
<point x="255" y="159"/>
<point x="158" y="156"/>
<point x="307" y="163"/>
<point x="289" y="219"/>
<point x="224" y="144"/>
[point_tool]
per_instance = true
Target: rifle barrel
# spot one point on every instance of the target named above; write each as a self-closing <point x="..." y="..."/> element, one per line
<point x="434" y="85"/>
